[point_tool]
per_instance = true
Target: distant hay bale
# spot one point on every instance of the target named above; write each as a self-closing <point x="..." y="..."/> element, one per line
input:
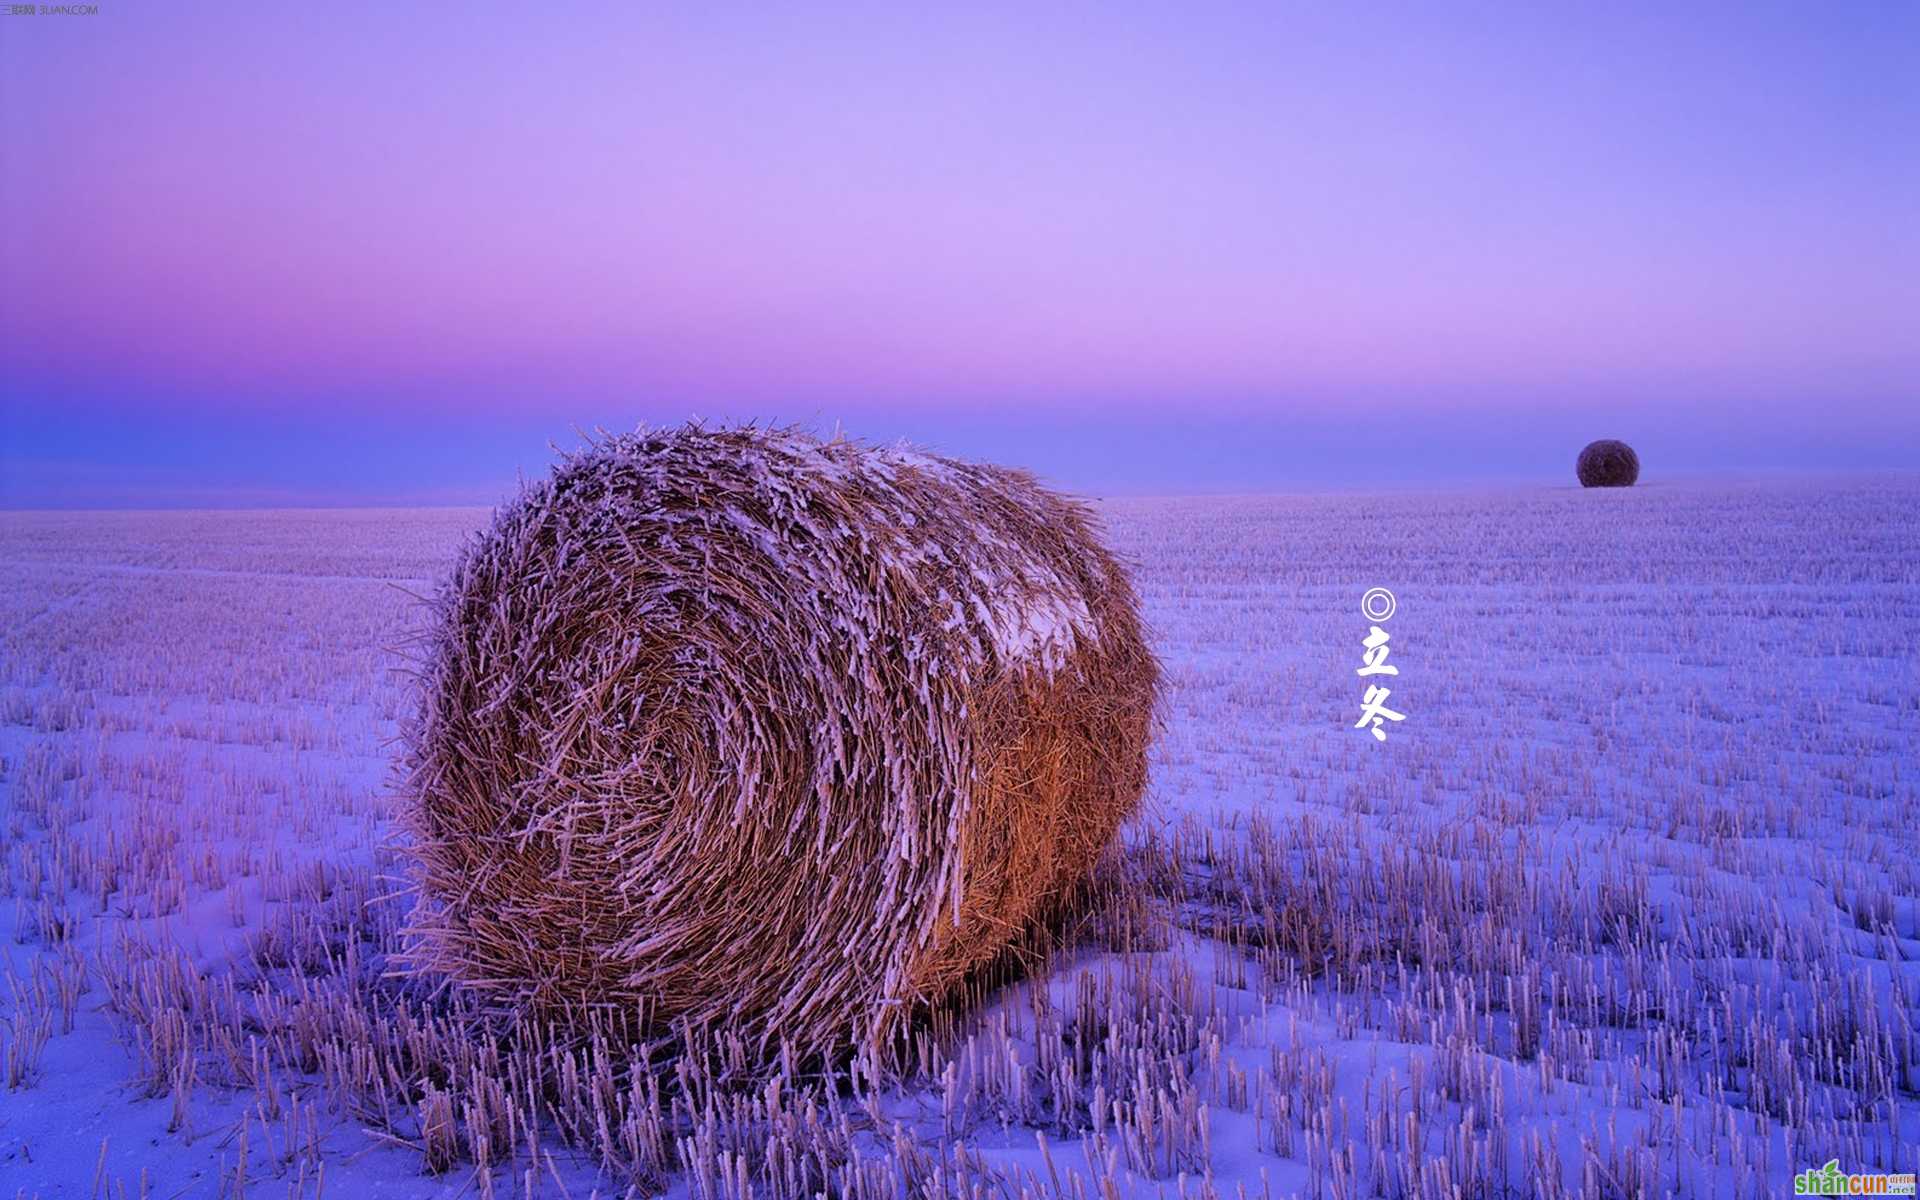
<point x="1607" y="463"/>
<point x="735" y="725"/>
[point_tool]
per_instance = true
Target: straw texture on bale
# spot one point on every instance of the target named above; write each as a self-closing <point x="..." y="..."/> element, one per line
<point x="736" y="726"/>
<point x="1608" y="463"/>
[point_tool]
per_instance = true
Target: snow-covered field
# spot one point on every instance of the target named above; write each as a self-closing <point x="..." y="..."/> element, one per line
<point x="1626" y="904"/>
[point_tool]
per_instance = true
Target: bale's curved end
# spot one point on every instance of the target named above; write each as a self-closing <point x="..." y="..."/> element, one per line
<point x="1607" y="463"/>
<point x="738" y="726"/>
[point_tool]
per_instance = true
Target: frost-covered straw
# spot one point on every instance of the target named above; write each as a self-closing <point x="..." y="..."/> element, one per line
<point x="736" y="725"/>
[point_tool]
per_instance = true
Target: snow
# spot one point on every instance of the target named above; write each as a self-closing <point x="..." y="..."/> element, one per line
<point x="1659" y="767"/>
<point x="1040" y="627"/>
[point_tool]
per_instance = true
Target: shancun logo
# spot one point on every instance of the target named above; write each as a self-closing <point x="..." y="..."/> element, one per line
<point x="1830" y="1180"/>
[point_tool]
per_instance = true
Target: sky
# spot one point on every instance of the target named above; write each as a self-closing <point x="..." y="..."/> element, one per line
<point x="380" y="253"/>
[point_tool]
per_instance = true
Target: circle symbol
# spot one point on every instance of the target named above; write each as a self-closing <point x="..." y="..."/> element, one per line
<point x="1378" y="604"/>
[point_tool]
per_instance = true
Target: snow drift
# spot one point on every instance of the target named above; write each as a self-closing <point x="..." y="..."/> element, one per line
<point x="735" y="726"/>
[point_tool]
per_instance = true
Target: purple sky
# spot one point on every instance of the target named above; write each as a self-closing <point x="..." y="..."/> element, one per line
<point x="368" y="252"/>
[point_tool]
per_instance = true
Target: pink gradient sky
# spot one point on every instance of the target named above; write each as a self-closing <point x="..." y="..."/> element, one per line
<point x="228" y="227"/>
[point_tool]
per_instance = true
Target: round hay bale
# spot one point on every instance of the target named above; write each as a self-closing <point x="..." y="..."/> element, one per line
<point x="738" y="726"/>
<point x="1607" y="463"/>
